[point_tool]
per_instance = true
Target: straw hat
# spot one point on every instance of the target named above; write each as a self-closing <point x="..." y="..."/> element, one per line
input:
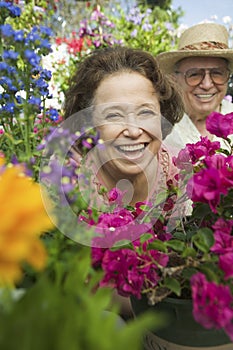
<point x="205" y="39"/>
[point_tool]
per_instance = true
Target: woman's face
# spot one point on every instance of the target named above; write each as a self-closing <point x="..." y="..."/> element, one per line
<point x="127" y="115"/>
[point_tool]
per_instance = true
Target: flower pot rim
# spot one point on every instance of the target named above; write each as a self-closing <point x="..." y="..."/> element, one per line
<point x="175" y="300"/>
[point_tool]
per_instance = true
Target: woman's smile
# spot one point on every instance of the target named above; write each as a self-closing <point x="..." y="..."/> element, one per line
<point x="132" y="151"/>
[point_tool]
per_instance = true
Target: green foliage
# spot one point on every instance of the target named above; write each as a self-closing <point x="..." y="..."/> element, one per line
<point x="164" y="4"/>
<point x="151" y="30"/>
<point x="65" y="313"/>
<point x="33" y="14"/>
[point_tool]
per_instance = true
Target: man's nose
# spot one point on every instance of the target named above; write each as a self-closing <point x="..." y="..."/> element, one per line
<point x="207" y="81"/>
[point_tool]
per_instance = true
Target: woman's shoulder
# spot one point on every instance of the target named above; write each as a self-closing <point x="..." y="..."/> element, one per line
<point x="166" y="162"/>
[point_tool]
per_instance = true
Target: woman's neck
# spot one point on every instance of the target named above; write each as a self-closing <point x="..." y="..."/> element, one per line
<point x="135" y="188"/>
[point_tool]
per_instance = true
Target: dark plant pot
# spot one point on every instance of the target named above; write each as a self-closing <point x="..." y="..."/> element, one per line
<point x="181" y="332"/>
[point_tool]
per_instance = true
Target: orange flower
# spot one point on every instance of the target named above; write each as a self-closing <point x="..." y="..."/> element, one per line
<point x="23" y="220"/>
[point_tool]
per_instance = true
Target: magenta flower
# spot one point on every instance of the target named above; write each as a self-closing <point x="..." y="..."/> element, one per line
<point x="118" y="226"/>
<point x="183" y="160"/>
<point x="223" y="243"/>
<point x="121" y="272"/>
<point x="226" y="264"/>
<point x="202" y="149"/>
<point x="115" y="196"/>
<point x="219" y="124"/>
<point x="131" y="272"/>
<point x="224" y="226"/>
<point x="206" y="187"/>
<point x="212" y="303"/>
<point x="195" y="152"/>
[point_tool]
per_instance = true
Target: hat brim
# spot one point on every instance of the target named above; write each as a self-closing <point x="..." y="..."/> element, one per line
<point x="167" y="60"/>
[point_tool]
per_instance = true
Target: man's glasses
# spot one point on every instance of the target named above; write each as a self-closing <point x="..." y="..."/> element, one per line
<point x="194" y="76"/>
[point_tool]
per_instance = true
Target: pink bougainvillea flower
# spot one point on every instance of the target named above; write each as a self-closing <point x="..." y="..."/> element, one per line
<point x="206" y="187"/>
<point x="226" y="264"/>
<point x="115" y="196"/>
<point x="193" y="152"/>
<point x="130" y="272"/>
<point x="224" y="165"/>
<point x="219" y="124"/>
<point x="202" y="149"/>
<point x="212" y="304"/>
<point x="223" y="243"/>
<point x="183" y="160"/>
<point x="121" y="272"/>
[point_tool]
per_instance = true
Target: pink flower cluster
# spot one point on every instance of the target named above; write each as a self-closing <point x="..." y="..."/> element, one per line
<point x="212" y="184"/>
<point x="219" y="124"/>
<point x="212" y="304"/>
<point x="122" y="250"/>
<point x="212" y="181"/>
<point x="213" y="175"/>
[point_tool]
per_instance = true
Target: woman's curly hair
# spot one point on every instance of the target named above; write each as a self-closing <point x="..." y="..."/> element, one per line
<point x="104" y="62"/>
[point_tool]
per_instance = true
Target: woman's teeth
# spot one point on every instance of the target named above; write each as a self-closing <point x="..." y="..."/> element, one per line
<point x="131" y="148"/>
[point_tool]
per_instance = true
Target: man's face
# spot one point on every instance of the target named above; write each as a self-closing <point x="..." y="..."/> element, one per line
<point x="205" y="97"/>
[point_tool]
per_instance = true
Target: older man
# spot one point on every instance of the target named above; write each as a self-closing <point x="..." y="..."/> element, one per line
<point x="202" y="66"/>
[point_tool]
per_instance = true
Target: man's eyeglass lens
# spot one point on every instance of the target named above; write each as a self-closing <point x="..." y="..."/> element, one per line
<point x="194" y="76"/>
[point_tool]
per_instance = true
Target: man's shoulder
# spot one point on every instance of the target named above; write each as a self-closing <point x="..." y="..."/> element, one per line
<point x="182" y="133"/>
<point x="226" y="106"/>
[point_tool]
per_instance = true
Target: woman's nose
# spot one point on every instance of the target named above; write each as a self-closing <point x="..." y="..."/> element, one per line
<point x="131" y="127"/>
<point x="132" y="131"/>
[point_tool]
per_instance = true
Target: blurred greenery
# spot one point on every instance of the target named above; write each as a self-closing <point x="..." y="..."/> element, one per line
<point x="67" y="312"/>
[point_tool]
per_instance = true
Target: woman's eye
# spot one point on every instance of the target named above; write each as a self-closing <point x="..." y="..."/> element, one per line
<point x="147" y="112"/>
<point x="112" y="116"/>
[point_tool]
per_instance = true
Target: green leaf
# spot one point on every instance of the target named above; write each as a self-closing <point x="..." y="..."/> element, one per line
<point x="188" y="251"/>
<point x="203" y="239"/>
<point x="145" y="237"/>
<point x="157" y="245"/>
<point x="176" y="245"/>
<point x="173" y="285"/>
<point x="209" y="269"/>
<point x="188" y="272"/>
<point x="180" y="236"/>
<point x="124" y="243"/>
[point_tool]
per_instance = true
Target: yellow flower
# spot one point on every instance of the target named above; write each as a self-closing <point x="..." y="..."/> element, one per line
<point x="23" y="220"/>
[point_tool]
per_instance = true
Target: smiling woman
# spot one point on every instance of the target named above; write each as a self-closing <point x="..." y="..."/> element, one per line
<point x="119" y="108"/>
<point x="134" y="106"/>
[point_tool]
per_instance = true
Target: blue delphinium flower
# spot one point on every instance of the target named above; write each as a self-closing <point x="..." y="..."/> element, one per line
<point x="10" y="54"/>
<point x="6" y="30"/>
<point x="53" y="114"/>
<point x="32" y="57"/>
<point x="8" y="9"/>
<point x="24" y="83"/>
